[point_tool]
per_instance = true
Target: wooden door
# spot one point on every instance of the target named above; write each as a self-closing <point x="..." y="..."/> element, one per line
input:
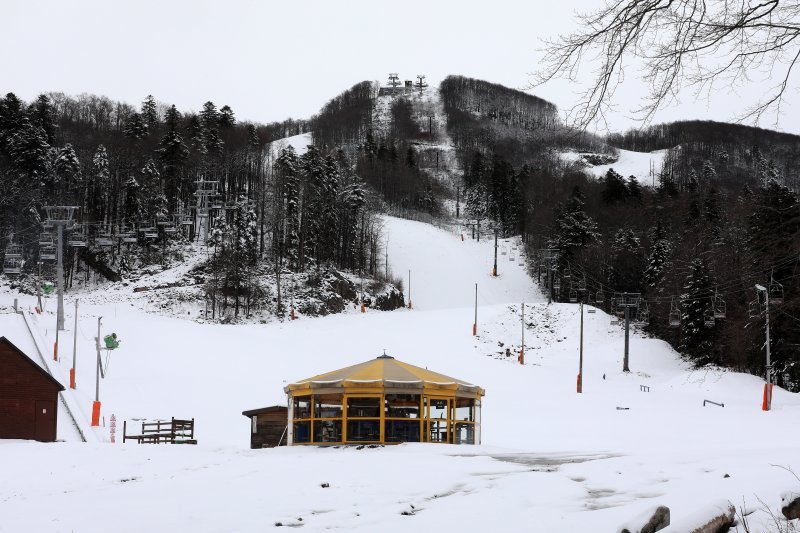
<point x="45" y="414"/>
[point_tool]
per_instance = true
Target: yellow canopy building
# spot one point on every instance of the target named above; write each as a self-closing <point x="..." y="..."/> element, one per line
<point x="383" y="401"/>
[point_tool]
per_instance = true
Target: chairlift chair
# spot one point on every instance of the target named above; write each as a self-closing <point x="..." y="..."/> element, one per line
<point x="512" y="257"/>
<point x="557" y="284"/>
<point x="14" y="251"/>
<point x="600" y="298"/>
<point x="47" y="253"/>
<point x="573" y="295"/>
<point x="12" y="265"/>
<point x="170" y="230"/>
<point x="674" y="314"/>
<point x="103" y="238"/>
<point x="582" y="284"/>
<point x="77" y="237"/>
<point x="708" y="318"/>
<point x="46" y="239"/>
<point x="503" y="250"/>
<point x="775" y="293"/>
<point x="567" y="273"/>
<point x="754" y="309"/>
<point x="720" y="307"/>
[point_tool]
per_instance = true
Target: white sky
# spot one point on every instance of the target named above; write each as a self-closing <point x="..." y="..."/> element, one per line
<point x="274" y="60"/>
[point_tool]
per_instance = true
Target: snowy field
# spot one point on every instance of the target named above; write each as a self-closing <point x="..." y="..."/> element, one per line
<point x="551" y="459"/>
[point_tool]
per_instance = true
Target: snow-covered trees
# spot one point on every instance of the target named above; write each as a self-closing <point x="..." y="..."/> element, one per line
<point x="697" y="319"/>
<point x="574" y="228"/>
<point x="657" y="257"/>
<point x="136" y="127"/>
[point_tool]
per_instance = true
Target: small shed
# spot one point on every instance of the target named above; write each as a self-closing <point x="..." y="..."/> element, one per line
<point x="28" y="397"/>
<point x="268" y="426"/>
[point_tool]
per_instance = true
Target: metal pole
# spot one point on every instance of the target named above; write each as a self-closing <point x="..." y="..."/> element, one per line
<point x="99" y="363"/>
<point x="479" y="230"/>
<point x="522" y="350"/>
<point x="580" y="364"/>
<point x="74" y="348"/>
<point x="475" y="324"/>
<point x="409" y="289"/>
<point x="494" y="270"/>
<point x="769" y="362"/>
<point x="625" y="367"/>
<point x="60" y="276"/>
<point x="550" y="285"/>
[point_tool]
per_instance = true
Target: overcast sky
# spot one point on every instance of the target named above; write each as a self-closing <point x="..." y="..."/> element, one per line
<point x="274" y="60"/>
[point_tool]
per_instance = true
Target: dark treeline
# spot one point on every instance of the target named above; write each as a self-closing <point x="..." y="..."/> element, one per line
<point x="347" y="118"/>
<point x="132" y="172"/>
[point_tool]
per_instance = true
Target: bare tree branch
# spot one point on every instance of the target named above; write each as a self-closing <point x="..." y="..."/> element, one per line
<point x="682" y="44"/>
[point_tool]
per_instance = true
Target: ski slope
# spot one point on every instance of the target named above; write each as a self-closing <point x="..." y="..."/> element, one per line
<point x="644" y="166"/>
<point x="551" y="460"/>
<point x="300" y="144"/>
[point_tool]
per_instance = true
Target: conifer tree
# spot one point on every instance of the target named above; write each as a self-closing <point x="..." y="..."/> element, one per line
<point x="150" y="111"/>
<point x="136" y="127"/>
<point x="697" y="339"/>
<point x="658" y="257"/>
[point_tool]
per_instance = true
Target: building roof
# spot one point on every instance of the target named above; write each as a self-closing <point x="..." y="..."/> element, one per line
<point x="384" y="371"/>
<point x="264" y="410"/>
<point x="32" y="362"/>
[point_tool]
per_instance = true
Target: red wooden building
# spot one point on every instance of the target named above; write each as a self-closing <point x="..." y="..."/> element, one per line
<point x="267" y="426"/>
<point x="28" y="397"/>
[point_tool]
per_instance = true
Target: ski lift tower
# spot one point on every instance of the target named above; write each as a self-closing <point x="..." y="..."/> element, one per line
<point x="627" y="300"/>
<point x="204" y="192"/>
<point x="394" y="81"/>
<point x="421" y="84"/>
<point x="61" y="217"/>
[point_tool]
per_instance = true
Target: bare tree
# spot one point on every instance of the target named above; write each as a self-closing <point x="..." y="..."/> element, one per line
<point x="697" y="44"/>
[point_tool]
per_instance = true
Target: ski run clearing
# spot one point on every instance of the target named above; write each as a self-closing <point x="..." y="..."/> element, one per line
<point x="551" y="460"/>
<point x="644" y="166"/>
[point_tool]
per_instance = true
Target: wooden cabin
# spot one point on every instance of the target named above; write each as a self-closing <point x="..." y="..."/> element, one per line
<point x="268" y="426"/>
<point x="28" y="397"/>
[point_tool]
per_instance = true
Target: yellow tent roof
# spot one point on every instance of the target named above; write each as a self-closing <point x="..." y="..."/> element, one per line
<point x="384" y="371"/>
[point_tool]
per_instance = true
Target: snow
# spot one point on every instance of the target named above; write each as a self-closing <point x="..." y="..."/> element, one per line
<point x="637" y="164"/>
<point x="551" y="459"/>
<point x="299" y="142"/>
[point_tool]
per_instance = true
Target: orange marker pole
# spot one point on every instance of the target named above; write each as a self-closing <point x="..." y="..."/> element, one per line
<point x="95" y="414"/>
<point x="71" y="378"/>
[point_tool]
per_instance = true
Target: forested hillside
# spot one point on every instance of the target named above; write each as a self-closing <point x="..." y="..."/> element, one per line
<point x="145" y="180"/>
<point x="724" y="217"/>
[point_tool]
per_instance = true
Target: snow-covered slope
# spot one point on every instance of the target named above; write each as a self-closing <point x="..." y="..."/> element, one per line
<point x="552" y="460"/>
<point x="300" y="143"/>
<point x="644" y="166"/>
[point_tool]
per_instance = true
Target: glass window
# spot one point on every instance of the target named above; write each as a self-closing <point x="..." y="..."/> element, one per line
<point x="436" y="431"/>
<point x="363" y="430"/>
<point x="302" y="407"/>
<point x="363" y="408"/>
<point x="302" y="432"/>
<point x="402" y="406"/>
<point x="464" y="433"/>
<point x="328" y="406"/>
<point x="402" y="431"/>
<point x="465" y="409"/>
<point x="438" y="409"/>
<point x="327" y="431"/>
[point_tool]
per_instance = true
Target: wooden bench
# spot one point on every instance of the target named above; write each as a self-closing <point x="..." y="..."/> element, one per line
<point x="174" y="431"/>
